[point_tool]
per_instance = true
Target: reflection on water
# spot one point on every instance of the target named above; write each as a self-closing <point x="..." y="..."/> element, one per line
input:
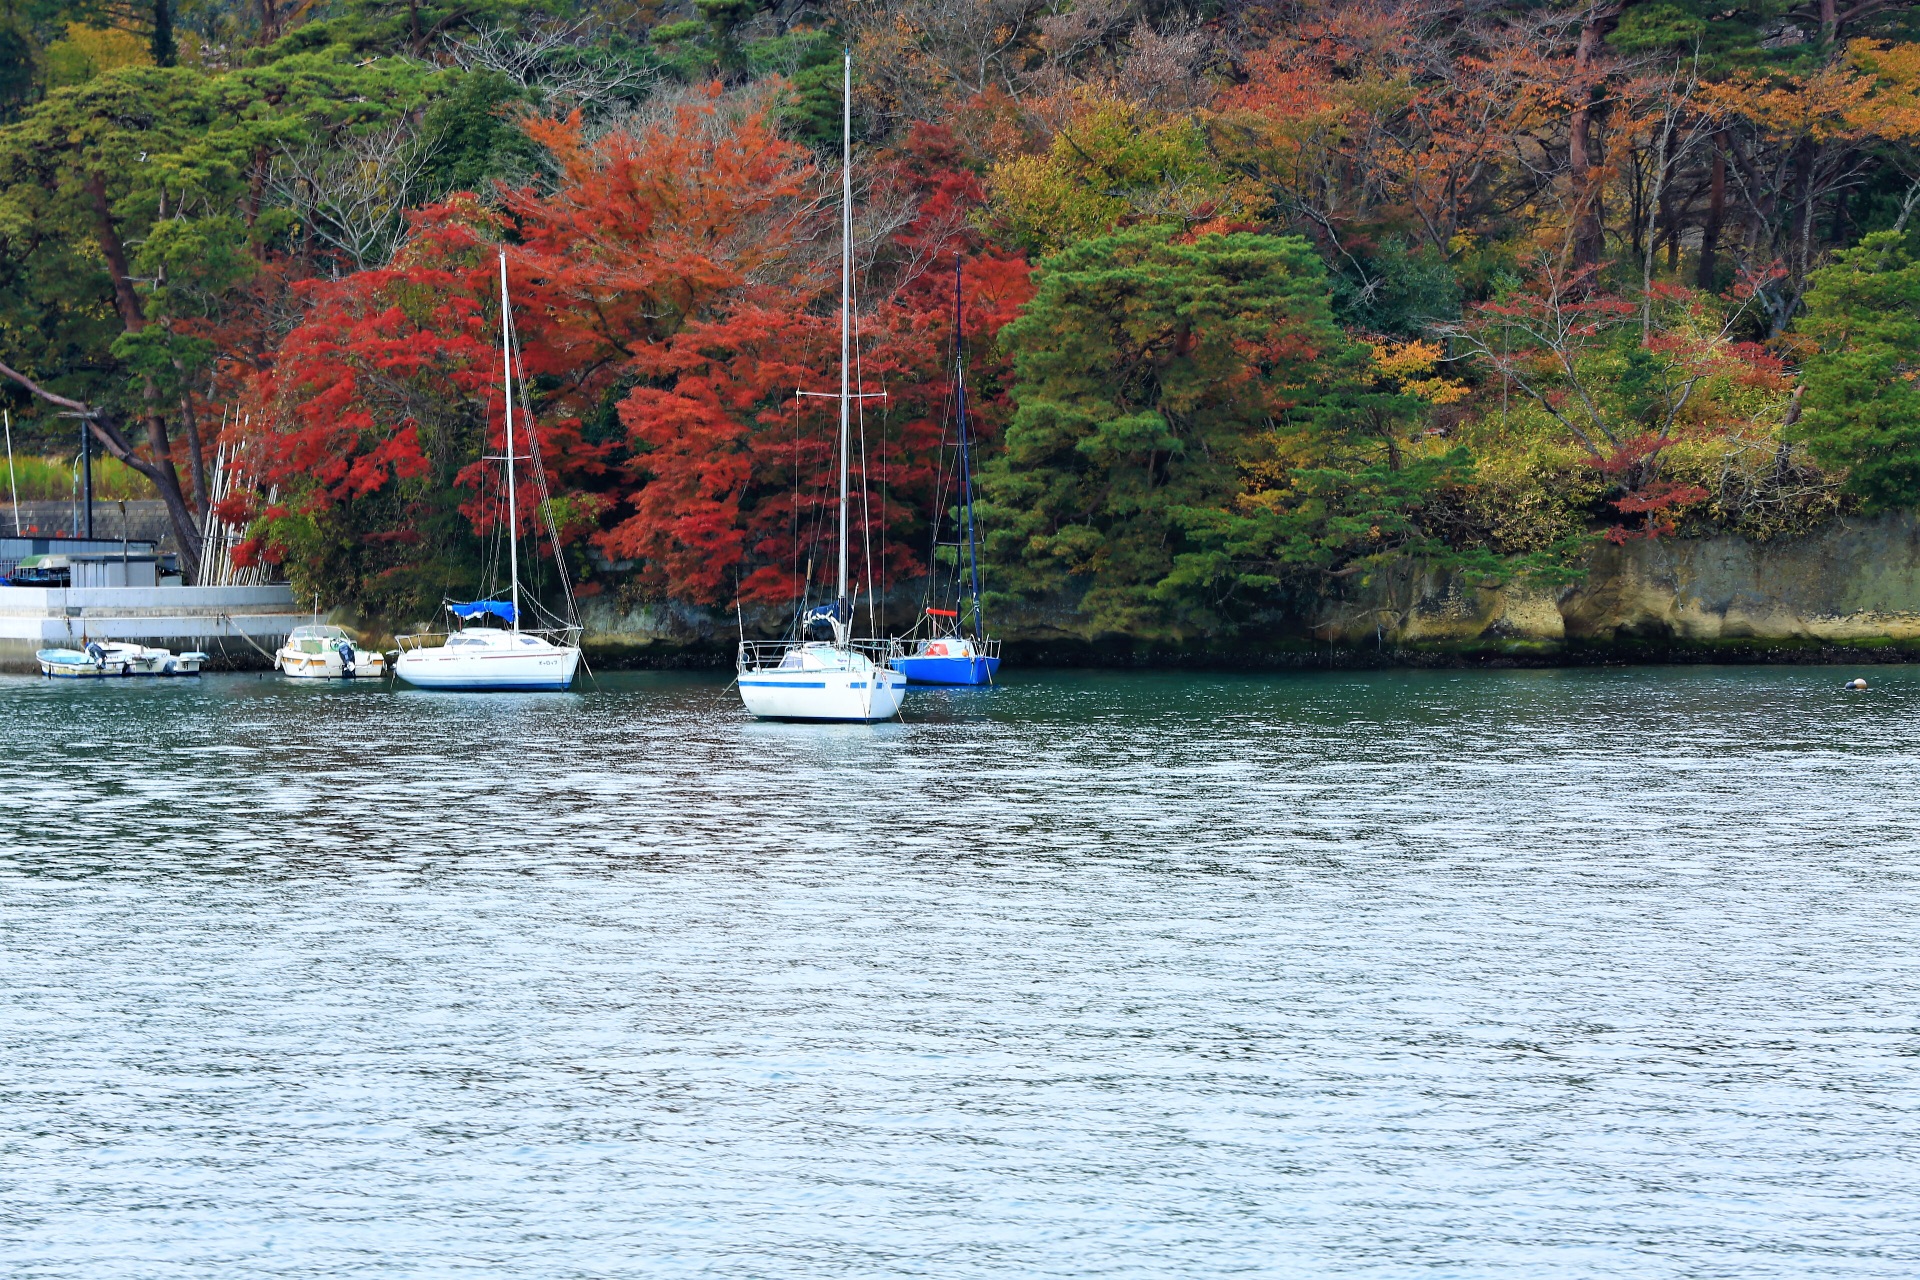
<point x="1597" y="973"/>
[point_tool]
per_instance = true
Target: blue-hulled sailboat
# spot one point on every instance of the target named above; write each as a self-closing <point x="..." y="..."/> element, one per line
<point x="949" y="644"/>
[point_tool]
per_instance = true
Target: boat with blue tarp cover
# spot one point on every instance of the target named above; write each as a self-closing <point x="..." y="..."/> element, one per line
<point x="475" y="654"/>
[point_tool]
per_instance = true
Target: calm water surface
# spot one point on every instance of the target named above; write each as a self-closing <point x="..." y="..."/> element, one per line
<point x="1598" y="973"/>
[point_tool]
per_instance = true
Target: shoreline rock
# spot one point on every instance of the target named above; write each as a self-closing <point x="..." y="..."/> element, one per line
<point x="1848" y="592"/>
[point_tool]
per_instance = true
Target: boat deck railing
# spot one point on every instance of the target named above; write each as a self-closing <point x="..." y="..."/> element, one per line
<point x="767" y="655"/>
<point x="981" y="648"/>
<point x="564" y="636"/>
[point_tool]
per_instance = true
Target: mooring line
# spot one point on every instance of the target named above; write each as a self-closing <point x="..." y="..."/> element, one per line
<point x="228" y="619"/>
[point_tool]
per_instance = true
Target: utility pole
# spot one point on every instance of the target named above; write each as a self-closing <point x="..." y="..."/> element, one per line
<point x="86" y="471"/>
<point x="13" y="485"/>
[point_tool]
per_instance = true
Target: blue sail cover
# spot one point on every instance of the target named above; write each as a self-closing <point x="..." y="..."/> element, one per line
<point x="499" y="608"/>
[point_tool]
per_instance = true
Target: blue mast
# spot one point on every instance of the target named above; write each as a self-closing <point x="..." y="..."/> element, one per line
<point x="966" y="465"/>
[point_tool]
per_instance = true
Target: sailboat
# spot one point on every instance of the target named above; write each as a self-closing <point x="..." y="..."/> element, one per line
<point x="822" y="674"/>
<point x="480" y="655"/>
<point x="948" y="646"/>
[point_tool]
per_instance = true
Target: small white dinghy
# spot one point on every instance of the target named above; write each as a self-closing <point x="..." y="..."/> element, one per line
<point x="322" y="652"/>
<point x="101" y="660"/>
<point x="90" y="663"/>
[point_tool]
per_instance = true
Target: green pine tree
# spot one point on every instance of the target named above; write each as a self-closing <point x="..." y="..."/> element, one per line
<point x="1148" y="374"/>
<point x="1861" y="409"/>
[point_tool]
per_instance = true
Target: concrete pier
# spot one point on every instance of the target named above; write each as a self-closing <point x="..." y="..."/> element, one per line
<point x="215" y="620"/>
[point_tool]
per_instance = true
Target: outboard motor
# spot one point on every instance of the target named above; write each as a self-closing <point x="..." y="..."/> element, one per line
<point x="98" y="654"/>
<point x="345" y="649"/>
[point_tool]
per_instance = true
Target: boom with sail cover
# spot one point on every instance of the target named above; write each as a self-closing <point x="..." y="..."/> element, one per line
<point x="481" y="608"/>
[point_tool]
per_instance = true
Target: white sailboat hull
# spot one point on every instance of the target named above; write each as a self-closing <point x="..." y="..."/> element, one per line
<point x="856" y="696"/>
<point x="550" y="667"/>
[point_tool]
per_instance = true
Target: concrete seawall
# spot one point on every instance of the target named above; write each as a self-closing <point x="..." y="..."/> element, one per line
<point x="142" y="519"/>
<point x="220" y="621"/>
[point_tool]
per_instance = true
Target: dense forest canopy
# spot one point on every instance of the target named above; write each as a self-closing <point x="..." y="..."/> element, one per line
<point x="1258" y="297"/>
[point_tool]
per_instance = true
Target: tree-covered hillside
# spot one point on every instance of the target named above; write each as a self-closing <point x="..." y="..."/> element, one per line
<point x="1258" y="297"/>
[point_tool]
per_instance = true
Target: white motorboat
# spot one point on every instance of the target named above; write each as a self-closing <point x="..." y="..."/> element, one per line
<point x="105" y="659"/>
<point x="323" y="652"/>
<point x="489" y="658"/>
<point x="144" y="661"/>
<point x="825" y="675"/>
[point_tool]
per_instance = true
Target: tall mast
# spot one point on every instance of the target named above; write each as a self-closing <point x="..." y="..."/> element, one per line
<point x="966" y="462"/>
<point x="513" y="507"/>
<point x="846" y="310"/>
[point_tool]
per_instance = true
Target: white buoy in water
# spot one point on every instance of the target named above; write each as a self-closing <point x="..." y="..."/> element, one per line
<point x="1856" y="684"/>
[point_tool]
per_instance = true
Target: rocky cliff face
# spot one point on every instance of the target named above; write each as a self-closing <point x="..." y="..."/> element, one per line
<point x="1855" y="584"/>
<point x="1847" y="592"/>
<point x="661" y="634"/>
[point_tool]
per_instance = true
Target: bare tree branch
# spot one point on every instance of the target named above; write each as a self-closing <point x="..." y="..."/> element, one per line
<point x="558" y="62"/>
<point x="353" y="195"/>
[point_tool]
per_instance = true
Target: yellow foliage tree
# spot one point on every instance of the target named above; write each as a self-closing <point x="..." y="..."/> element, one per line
<point x="1413" y="369"/>
<point x="1892" y="112"/>
<point x="86" y="52"/>
<point x="1114" y="163"/>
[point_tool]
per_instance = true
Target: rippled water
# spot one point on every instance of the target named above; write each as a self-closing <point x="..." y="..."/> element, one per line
<point x="1596" y="973"/>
